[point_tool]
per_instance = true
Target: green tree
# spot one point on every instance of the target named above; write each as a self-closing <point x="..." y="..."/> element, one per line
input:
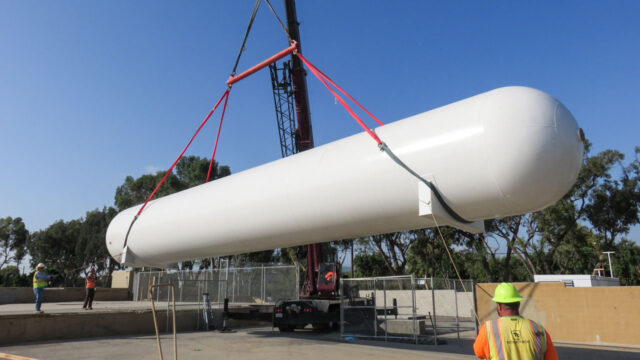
<point x="55" y="246"/>
<point x="481" y="260"/>
<point x="13" y="239"/>
<point x="189" y="171"/>
<point x="296" y="255"/>
<point x="626" y="262"/>
<point x="136" y="191"/>
<point x="370" y="264"/>
<point x="392" y="247"/>
<point x="427" y="255"/>
<point x="614" y="204"/>
<point x="90" y="244"/>
<point x="258" y="257"/>
<point x="192" y="170"/>
<point x="10" y="276"/>
<point x="69" y="248"/>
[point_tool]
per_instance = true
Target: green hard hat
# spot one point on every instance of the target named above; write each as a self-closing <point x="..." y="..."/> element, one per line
<point x="506" y="294"/>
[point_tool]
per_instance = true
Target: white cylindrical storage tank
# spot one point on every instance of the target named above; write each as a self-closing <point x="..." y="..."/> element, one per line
<point x="505" y="152"/>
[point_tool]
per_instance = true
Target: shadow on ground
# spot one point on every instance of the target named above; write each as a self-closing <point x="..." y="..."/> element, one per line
<point x="464" y="347"/>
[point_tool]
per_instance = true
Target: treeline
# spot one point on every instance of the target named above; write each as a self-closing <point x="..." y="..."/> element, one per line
<point x="567" y="238"/>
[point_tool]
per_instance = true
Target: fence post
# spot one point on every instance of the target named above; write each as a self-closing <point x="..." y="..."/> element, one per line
<point x="384" y="293"/>
<point x="226" y="277"/>
<point x="262" y="290"/>
<point x="341" y="313"/>
<point x="174" y="304"/>
<point x="413" y="308"/>
<point x="136" y="286"/>
<point x="455" y="295"/>
<point x="159" y="280"/>
<point x="233" y="286"/>
<point x="375" y="310"/>
<point x="297" y="281"/>
<point x="433" y="305"/>
<point x="204" y="281"/>
<point x="475" y="306"/>
<point x="181" y="282"/>
<point x="199" y="295"/>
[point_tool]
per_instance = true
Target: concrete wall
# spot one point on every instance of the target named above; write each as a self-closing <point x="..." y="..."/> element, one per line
<point x="22" y="328"/>
<point x="445" y="301"/>
<point x="579" y="280"/>
<point x="122" y="279"/>
<point x="590" y="315"/>
<point x="25" y="328"/>
<point x="16" y="295"/>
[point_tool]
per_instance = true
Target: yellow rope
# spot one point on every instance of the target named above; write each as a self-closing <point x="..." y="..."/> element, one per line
<point x="454" y="266"/>
<point x="14" y="357"/>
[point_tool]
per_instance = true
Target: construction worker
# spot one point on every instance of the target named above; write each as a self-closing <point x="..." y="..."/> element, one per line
<point x="512" y="337"/>
<point x="90" y="289"/>
<point x="39" y="283"/>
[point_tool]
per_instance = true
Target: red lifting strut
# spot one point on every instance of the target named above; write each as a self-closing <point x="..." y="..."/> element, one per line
<point x="292" y="49"/>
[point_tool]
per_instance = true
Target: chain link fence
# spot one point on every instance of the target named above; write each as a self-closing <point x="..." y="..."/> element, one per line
<point x="394" y="308"/>
<point x="448" y="304"/>
<point x="381" y="308"/>
<point x="405" y="308"/>
<point x="247" y="285"/>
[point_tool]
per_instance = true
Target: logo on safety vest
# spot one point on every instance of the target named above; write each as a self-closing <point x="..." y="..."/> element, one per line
<point x="329" y="276"/>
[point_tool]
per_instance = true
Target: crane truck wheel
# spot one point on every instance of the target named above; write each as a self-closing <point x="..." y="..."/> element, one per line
<point x="285" y="328"/>
<point x="324" y="327"/>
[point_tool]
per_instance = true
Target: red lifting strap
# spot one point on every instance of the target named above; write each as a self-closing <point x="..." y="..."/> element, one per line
<point x="224" y="96"/>
<point x="292" y="49"/>
<point x="213" y="156"/>
<point x="323" y="78"/>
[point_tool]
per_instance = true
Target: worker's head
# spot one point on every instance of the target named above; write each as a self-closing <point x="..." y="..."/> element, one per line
<point x="92" y="270"/>
<point x="40" y="266"/>
<point x="507" y="299"/>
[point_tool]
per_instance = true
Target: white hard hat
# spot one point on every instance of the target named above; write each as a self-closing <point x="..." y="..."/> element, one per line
<point x="41" y="265"/>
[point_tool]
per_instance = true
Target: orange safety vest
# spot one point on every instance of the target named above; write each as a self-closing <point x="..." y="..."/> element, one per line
<point x="38" y="283"/>
<point x="514" y="337"/>
<point x="91" y="281"/>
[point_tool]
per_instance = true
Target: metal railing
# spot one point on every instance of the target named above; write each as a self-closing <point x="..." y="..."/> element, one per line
<point x="405" y="308"/>
<point x="380" y="308"/>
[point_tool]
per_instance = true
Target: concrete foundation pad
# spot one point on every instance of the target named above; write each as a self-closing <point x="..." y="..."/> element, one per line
<point x="20" y="323"/>
<point x="265" y="344"/>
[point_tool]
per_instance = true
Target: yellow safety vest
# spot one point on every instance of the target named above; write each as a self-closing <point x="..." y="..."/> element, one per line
<point x="38" y="283"/>
<point x="515" y="338"/>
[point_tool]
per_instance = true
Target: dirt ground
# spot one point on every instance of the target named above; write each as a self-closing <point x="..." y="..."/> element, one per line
<point x="265" y="344"/>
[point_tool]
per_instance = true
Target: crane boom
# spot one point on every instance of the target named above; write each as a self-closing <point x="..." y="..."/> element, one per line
<point x="304" y="132"/>
<point x="290" y="92"/>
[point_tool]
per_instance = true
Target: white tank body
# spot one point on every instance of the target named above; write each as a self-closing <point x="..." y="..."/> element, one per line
<point x="505" y="152"/>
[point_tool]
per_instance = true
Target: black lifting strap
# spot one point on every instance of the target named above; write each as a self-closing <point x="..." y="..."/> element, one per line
<point x="433" y="188"/>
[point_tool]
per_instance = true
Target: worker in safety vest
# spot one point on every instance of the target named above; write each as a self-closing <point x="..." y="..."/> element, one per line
<point x="90" y="289"/>
<point x="39" y="283"/>
<point x="512" y="337"/>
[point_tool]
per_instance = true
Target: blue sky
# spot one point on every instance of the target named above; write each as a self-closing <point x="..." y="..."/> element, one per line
<point x="93" y="91"/>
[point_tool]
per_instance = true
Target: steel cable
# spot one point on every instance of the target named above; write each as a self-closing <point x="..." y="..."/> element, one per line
<point x="246" y="35"/>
